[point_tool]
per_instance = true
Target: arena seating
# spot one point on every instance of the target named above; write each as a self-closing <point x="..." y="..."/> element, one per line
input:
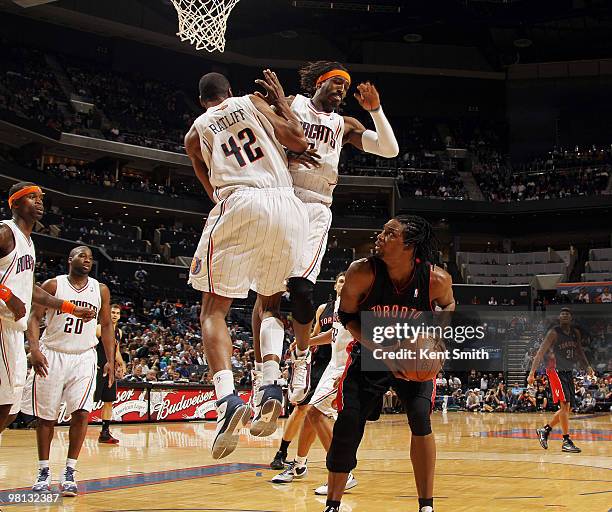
<point x="599" y="265"/>
<point x="513" y="268"/>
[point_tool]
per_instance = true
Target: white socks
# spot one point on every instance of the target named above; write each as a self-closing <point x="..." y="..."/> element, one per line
<point x="71" y="463"/>
<point x="224" y="383"/>
<point x="258" y="367"/>
<point x="300" y="462"/>
<point x="42" y="464"/>
<point x="271" y="372"/>
<point x="272" y="336"/>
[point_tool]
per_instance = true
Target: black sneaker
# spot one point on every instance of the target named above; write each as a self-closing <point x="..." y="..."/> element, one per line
<point x="280" y="461"/>
<point x="570" y="447"/>
<point x="331" y="509"/>
<point x="543" y="437"/>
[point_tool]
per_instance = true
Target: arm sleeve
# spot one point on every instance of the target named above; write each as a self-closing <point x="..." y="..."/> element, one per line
<point x="381" y="142"/>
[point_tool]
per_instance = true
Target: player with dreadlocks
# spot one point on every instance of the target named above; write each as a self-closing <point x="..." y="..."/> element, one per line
<point x="401" y="276"/>
<point x="315" y="175"/>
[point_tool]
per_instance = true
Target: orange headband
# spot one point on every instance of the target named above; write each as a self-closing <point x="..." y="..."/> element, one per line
<point x="333" y="73"/>
<point x="34" y="189"/>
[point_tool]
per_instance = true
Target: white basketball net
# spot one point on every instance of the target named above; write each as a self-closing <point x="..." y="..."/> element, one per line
<point x="203" y="22"/>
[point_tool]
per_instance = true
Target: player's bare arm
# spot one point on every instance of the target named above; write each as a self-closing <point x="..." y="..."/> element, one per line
<point x="549" y="340"/>
<point x="287" y="127"/>
<point x="324" y="338"/>
<point x="194" y="152"/>
<point x="107" y="334"/>
<point x="40" y="296"/>
<point x="14" y="303"/>
<point x="382" y="141"/>
<point x="317" y="326"/>
<point x="441" y="289"/>
<point x="357" y="283"/>
<point x="37" y="358"/>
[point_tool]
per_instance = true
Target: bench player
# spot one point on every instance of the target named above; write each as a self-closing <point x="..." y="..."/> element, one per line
<point x="64" y="362"/>
<point x="253" y="236"/>
<point x="105" y="393"/>
<point x="325" y="84"/>
<point x="399" y="275"/>
<point x="17" y="293"/>
<point x="565" y="342"/>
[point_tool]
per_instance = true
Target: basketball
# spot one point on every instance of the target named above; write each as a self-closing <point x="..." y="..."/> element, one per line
<point x="428" y="360"/>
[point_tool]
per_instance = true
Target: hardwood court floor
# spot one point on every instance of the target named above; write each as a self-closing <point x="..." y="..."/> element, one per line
<point x="485" y="463"/>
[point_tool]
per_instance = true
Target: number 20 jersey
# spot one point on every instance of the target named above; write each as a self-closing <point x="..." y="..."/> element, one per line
<point x="67" y="333"/>
<point x="239" y="148"/>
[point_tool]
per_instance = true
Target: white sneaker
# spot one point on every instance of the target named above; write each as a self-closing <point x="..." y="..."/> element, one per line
<point x="293" y="472"/>
<point x="426" y="509"/>
<point x="350" y="483"/>
<point x="256" y="378"/>
<point x="43" y="481"/>
<point x="68" y="485"/>
<point x="299" y="385"/>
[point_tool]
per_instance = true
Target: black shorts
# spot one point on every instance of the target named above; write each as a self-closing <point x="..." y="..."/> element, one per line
<point x="364" y="390"/>
<point x="562" y="386"/>
<point x="103" y="392"/>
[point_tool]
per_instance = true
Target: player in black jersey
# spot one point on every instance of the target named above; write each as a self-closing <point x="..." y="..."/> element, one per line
<point x="565" y="343"/>
<point x="103" y="392"/>
<point x="321" y="355"/>
<point x="399" y="275"/>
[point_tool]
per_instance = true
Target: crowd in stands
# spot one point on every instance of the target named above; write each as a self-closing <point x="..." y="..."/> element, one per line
<point x="27" y="88"/>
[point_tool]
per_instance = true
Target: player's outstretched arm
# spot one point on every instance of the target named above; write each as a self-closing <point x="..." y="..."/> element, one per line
<point x="317" y="326"/>
<point x="37" y="358"/>
<point x="42" y="298"/>
<point x="194" y="152"/>
<point x="107" y="334"/>
<point x="381" y="142"/>
<point x="582" y="356"/>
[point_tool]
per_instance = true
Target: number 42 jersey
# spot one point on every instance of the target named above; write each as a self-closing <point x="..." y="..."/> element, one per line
<point x="67" y="333"/>
<point x="239" y="148"/>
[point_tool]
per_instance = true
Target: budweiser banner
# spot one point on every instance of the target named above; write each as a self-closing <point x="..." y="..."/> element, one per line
<point x="158" y="404"/>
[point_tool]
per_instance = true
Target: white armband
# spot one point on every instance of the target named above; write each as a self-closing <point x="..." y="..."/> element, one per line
<point x="381" y="142"/>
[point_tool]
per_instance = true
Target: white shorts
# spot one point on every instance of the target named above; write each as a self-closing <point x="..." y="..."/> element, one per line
<point x="13" y="367"/>
<point x="71" y="378"/>
<point x="319" y="222"/>
<point x="251" y="240"/>
<point x="327" y="390"/>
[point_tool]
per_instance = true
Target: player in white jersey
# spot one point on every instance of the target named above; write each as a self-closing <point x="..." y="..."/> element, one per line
<point x="322" y="411"/>
<point x="64" y="362"/>
<point x="314" y="179"/>
<point x="253" y="236"/>
<point x="17" y="292"/>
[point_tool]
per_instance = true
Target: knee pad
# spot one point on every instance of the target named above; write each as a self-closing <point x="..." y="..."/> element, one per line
<point x="342" y="455"/>
<point x="301" y="291"/>
<point x="419" y="411"/>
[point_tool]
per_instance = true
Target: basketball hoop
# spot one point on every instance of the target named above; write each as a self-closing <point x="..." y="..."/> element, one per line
<point x="203" y="22"/>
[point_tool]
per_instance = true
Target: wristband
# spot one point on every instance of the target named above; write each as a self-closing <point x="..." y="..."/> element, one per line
<point x="68" y="307"/>
<point x="5" y="293"/>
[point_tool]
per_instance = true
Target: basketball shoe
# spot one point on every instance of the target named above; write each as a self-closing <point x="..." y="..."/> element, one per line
<point x="293" y="472"/>
<point x="43" y="481"/>
<point x="299" y="384"/>
<point x="232" y="414"/>
<point x="543" y="434"/>
<point x="279" y="461"/>
<point x="269" y="405"/>
<point x="569" y="446"/>
<point x="256" y="378"/>
<point x="350" y="483"/>
<point x="106" y="437"/>
<point x="67" y="485"/>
